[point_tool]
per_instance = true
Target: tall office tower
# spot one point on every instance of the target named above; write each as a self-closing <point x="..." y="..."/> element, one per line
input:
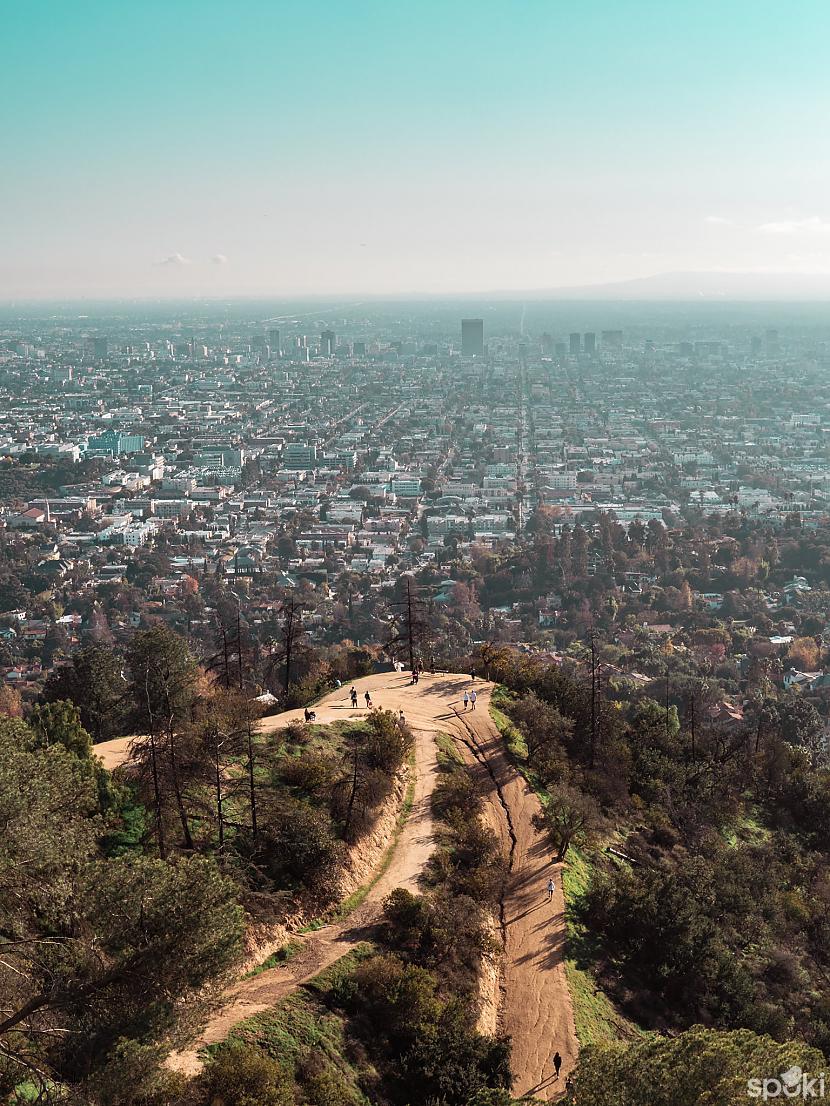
<point x="613" y="339"/>
<point x="472" y="337"/>
<point x="575" y="344"/>
<point x="359" y="349"/>
<point x="772" y="343"/>
<point x="274" y="342"/>
<point x="99" y="348"/>
<point x="589" y="343"/>
<point x="547" y="344"/>
<point x="327" y="343"/>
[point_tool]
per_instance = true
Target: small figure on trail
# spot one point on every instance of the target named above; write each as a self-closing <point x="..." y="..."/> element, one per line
<point x="557" y="1063"/>
<point x="569" y="1084"/>
<point x="551" y="889"/>
<point x="401" y="717"/>
<point x="353" y="694"/>
<point x="368" y="699"/>
<point x="466" y="700"/>
<point x="310" y="715"/>
<point x="473" y="698"/>
<point x="432" y="668"/>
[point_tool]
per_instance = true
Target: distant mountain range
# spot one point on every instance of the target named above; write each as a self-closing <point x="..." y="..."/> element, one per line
<point x="704" y="286"/>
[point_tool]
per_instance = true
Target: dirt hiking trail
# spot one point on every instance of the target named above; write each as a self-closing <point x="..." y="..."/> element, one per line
<point x="536" y="1009"/>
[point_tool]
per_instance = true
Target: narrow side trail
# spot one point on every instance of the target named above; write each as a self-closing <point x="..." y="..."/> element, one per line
<point x="536" y="1004"/>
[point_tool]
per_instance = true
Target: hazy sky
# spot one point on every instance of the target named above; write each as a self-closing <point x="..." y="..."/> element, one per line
<point x="221" y="147"/>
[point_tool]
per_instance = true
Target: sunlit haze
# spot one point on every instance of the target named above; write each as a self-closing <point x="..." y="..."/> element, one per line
<point x="168" y="149"/>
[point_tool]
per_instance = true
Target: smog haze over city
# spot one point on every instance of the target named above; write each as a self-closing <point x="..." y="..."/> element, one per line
<point x="414" y="553"/>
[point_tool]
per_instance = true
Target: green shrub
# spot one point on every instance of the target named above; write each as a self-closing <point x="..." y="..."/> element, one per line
<point x="242" y="1075"/>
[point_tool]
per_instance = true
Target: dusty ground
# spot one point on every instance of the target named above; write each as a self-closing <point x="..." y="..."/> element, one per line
<point x="536" y="1012"/>
<point x="536" y="1007"/>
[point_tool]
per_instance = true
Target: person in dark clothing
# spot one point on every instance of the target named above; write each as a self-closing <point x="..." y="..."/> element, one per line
<point x="557" y="1063"/>
<point x="353" y="694"/>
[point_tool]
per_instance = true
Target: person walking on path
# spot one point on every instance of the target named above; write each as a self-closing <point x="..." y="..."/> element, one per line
<point x="368" y="699"/>
<point x="551" y="889"/>
<point x="473" y="698"/>
<point x="557" y="1064"/>
<point x="466" y="700"/>
<point x="353" y="694"/>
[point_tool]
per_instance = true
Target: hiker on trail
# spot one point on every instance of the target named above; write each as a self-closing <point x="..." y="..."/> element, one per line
<point x="557" y="1063"/>
<point x="466" y="700"/>
<point x="551" y="889"/>
<point x="353" y="694"/>
<point x="401" y="717"/>
<point x="473" y="698"/>
<point x="368" y="699"/>
<point x="569" y="1084"/>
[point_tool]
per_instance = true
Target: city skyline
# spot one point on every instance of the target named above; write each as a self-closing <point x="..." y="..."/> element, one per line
<point x="169" y="151"/>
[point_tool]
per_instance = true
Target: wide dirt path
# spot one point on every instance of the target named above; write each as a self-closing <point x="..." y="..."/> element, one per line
<point x="536" y="1006"/>
<point x="537" y="1011"/>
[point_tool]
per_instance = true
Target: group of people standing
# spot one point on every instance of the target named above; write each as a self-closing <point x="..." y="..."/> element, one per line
<point x="353" y="697"/>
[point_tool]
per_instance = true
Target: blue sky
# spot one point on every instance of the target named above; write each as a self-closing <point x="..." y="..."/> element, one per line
<point x="169" y="147"/>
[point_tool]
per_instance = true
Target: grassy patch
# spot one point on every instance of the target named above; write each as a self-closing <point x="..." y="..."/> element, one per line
<point x="302" y="1027"/>
<point x="448" y="752"/>
<point x="281" y="956"/>
<point x="748" y="829"/>
<point x="499" y="701"/>
<point x="596" y="1017"/>
<point x="329" y="738"/>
